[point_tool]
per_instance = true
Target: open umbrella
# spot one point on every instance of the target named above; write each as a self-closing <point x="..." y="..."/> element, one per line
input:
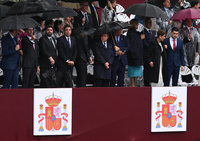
<point x="109" y="27"/>
<point x="186" y="13"/>
<point x="17" y="22"/>
<point x="30" y="7"/>
<point x="83" y="31"/>
<point x="146" y="10"/>
<point x="3" y="10"/>
<point x="7" y="3"/>
<point x="61" y="12"/>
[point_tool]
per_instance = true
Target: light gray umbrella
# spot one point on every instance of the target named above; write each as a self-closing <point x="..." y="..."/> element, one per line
<point x="17" y="22"/>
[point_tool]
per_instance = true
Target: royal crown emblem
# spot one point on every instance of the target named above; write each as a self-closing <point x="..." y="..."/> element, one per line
<point x="169" y="111"/>
<point x="53" y="114"/>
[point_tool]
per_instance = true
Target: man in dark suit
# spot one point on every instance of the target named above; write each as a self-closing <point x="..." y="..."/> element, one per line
<point x="83" y="57"/>
<point x="175" y="57"/>
<point x="83" y="18"/>
<point x="47" y="54"/>
<point x="120" y="59"/>
<point x="94" y="13"/>
<point x="67" y="52"/>
<point x="103" y="58"/>
<point x="11" y="59"/>
<point x="149" y="37"/>
<point x="30" y="59"/>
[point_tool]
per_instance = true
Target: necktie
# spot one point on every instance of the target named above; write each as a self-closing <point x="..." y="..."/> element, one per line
<point x="151" y="34"/>
<point x="174" y="45"/>
<point x="68" y="39"/>
<point x="86" y="19"/>
<point x="52" y="42"/>
<point x="34" y="46"/>
<point x="14" y="41"/>
<point x="104" y="43"/>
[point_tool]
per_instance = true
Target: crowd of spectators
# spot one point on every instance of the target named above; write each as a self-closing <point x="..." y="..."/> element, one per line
<point x="51" y="51"/>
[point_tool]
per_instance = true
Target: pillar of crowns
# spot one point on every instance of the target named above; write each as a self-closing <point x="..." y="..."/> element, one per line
<point x="158" y="120"/>
<point x="179" y="115"/>
<point x="41" y="120"/>
<point x="65" y="122"/>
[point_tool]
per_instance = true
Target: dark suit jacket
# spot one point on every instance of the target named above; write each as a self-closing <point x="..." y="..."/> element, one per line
<point x="83" y="49"/>
<point x="175" y="57"/>
<point x="96" y="22"/>
<point x="78" y="20"/>
<point x="101" y="56"/>
<point x="153" y="55"/>
<point x="11" y="57"/>
<point x="124" y="46"/>
<point x="147" y="40"/>
<point x="65" y="52"/>
<point x="46" y="50"/>
<point x="30" y="55"/>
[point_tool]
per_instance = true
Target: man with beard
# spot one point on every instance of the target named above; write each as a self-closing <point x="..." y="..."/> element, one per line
<point x="48" y="54"/>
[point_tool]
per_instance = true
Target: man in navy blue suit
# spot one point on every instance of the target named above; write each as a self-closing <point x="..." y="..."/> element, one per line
<point x="149" y="37"/>
<point x="103" y="58"/>
<point x="11" y="59"/>
<point x="175" y="57"/>
<point x="83" y="18"/>
<point x="120" y="59"/>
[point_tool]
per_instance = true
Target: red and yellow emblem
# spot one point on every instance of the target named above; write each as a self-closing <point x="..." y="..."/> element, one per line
<point x="53" y="114"/>
<point x="169" y="111"/>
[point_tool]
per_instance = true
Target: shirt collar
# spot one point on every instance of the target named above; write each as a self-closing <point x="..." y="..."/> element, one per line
<point x="173" y="39"/>
<point x="83" y="12"/>
<point x="30" y="39"/>
<point x="11" y="35"/>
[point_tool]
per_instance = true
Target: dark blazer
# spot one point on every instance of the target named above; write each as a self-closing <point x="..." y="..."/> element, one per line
<point x="175" y="57"/>
<point x="83" y="49"/>
<point x="135" y="52"/>
<point x="101" y="56"/>
<point x="96" y="22"/>
<point x="11" y="57"/>
<point x="147" y="40"/>
<point x="78" y="20"/>
<point x="124" y="46"/>
<point x="30" y="55"/>
<point x="65" y="52"/>
<point x="153" y="55"/>
<point x="46" y="50"/>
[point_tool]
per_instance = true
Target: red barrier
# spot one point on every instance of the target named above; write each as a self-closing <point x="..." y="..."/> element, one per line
<point x="99" y="114"/>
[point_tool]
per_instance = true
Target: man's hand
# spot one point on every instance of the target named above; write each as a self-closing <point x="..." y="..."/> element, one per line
<point x="116" y="48"/>
<point x="107" y="65"/>
<point x="142" y="36"/>
<point x="17" y="47"/>
<point x="120" y="53"/>
<point x="90" y="60"/>
<point x="190" y="36"/>
<point x="182" y="68"/>
<point x="38" y="69"/>
<point x="83" y="20"/>
<point x="71" y="63"/>
<point x="151" y="64"/>
<point x="52" y="61"/>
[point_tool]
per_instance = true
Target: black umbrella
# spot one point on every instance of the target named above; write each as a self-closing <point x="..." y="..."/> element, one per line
<point x="75" y="1"/>
<point x="109" y="27"/>
<point x="3" y="10"/>
<point x="17" y="22"/>
<point x="7" y="3"/>
<point x="30" y="7"/>
<point x="61" y="12"/>
<point x="146" y="10"/>
<point x="83" y="31"/>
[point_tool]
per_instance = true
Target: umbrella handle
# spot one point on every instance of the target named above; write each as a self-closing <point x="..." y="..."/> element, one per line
<point x="113" y="39"/>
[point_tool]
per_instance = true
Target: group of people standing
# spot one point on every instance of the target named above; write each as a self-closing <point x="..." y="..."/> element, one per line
<point x="53" y="51"/>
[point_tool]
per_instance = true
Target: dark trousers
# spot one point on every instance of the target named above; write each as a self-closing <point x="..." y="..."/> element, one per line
<point x="102" y="82"/>
<point x="117" y="70"/>
<point x="29" y="75"/>
<point x="65" y="78"/>
<point x="11" y="78"/>
<point x="81" y="68"/>
<point x="174" y="73"/>
<point x="145" y="74"/>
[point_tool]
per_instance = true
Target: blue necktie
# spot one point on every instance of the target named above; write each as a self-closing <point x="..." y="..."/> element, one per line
<point x="69" y="42"/>
<point x="14" y="41"/>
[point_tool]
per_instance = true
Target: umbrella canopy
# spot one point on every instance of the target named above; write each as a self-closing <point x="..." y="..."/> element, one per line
<point x="109" y="27"/>
<point x="30" y="7"/>
<point x="61" y="12"/>
<point x="7" y="3"/>
<point x="146" y="10"/>
<point x="198" y="26"/>
<point x="75" y="1"/>
<point x="83" y="31"/>
<point x="3" y="10"/>
<point x="17" y="22"/>
<point x="189" y="13"/>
